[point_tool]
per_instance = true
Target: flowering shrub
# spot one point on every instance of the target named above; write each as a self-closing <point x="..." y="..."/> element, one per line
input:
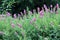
<point x="31" y="26"/>
<point x="16" y="6"/>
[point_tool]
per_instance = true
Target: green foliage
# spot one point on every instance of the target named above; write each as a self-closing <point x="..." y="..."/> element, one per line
<point x="58" y="2"/>
<point x="5" y="5"/>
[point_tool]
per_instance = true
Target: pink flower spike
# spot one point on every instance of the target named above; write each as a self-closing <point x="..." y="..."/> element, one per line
<point x="18" y="15"/>
<point x="30" y="12"/>
<point x="14" y="15"/>
<point x="57" y="5"/>
<point x="19" y="25"/>
<point x="38" y="9"/>
<point x="13" y="25"/>
<point x="8" y="14"/>
<point x="45" y="6"/>
<point x="33" y="20"/>
<point x="21" y="13"/>
<point x="41" y="13"/>
<point x="51" y="6"/>
<point x="24" y="11"/>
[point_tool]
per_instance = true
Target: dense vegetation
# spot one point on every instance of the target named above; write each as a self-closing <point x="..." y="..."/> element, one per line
<point x="34" y="20"/>
<point x="42" y="26"/>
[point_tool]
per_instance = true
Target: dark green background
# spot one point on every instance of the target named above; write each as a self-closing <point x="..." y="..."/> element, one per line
<point x="15" y="6"/>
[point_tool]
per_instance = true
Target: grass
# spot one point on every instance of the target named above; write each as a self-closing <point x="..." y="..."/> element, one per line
<point x="45" y="28"/>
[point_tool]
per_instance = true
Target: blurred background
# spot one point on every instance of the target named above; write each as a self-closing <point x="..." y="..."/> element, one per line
<point x="41" y="25"/>
<point x="16" y="6"/>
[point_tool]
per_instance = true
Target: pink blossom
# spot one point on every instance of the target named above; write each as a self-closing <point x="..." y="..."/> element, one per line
<point x="41" y="13"/>
<point x="18" y="15"/>
<point x="33" y="20"/>
<point x="13" y="25"/>
<point x="19" y="25"/>
<point x="14" y="15"/>
<point x="45" y="6"/>
<point x="51" y="6"/>
<point x="8" y="14"/>
<point x="24" y="11"/>
<point x="30" y="12"/>
<point x="57" y="5"/>
<point x="21" y="13"/>
<point x="42" y="8"/>
<point x="38" y="9"/>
